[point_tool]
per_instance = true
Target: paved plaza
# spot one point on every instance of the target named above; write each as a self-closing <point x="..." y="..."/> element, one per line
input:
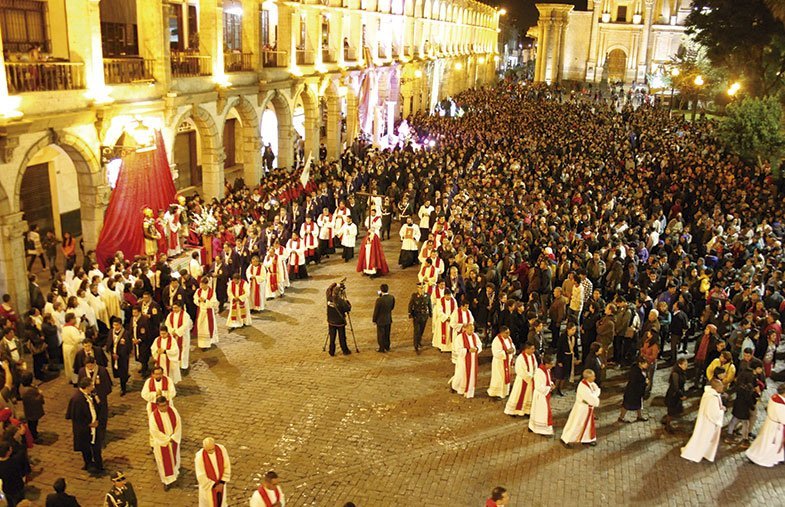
<point x="384" y="430"/>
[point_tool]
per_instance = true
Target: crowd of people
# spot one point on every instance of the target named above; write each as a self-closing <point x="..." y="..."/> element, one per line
<point x="570" y="235"/>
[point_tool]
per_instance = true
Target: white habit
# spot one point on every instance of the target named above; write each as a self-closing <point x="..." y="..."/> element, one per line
<point x="580" y="425"/>
<point x="708" y="428"/>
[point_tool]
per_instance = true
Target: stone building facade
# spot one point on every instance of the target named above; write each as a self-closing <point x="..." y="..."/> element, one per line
<point x="621" y="40"/>
<point x="220" y="78"/>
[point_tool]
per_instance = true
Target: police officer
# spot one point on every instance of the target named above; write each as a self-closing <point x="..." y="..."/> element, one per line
<point x="419" y="312"/>
<point x="122" y="493"/>
<point x="337" y="308"/>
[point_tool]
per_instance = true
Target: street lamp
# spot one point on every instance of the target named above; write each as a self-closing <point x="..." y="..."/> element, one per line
<point x="734" y="89"/>
<point x="674" y="74"/>
<point x="502" y="12"/>
<point x="698" y="83"/>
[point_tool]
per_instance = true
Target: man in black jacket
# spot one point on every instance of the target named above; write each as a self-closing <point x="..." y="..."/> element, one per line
<point x="120" y="347"/>
<point x="337" y="308"/>
<point x="382" y="317"/>
<point x="60" y="498"/>
<point x="140" y="333"/>
<point x="83" y="410"/>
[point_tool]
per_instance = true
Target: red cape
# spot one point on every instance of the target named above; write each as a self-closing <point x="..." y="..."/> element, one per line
<point x="377" y="259"/>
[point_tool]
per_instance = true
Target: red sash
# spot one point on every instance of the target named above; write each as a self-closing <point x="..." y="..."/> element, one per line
<point x="210" y="312"/>
<point x="177" y="336"/>
<point x="255" y="287"/>
<point x="471" y="362"/>
<point x="589" y="420"/>
<point x="269" y="502"/>
<point x="548" y="396"/>
<point x="238" y="306"/>
<point x="164" y="383"/>
<point x="273" y="274"/>
<point x="296" y="256"/>
<point x="329" y="218"/>
<point x="506" y="361"/>
<point x="212" y="475"/>
<point x="168" y="346"/>
<point x="445" y="328"/>
<point x="524" y="384"/>
<point x="168" y="452"/>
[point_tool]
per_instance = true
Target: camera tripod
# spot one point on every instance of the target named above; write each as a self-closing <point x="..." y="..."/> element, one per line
<point x="351" y="328"/>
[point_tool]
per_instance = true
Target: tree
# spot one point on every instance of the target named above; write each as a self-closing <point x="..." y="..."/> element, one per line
<point x="743" y="37"/>
<point x="753" y="129"/>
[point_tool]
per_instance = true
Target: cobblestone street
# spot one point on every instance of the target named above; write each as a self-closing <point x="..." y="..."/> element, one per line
<point x="384" y="430"/>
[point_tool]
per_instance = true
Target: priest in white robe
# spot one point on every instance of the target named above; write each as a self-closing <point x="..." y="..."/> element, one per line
<point x="309" y="234"/>
<point x="767" y="449"/>
<point x="708" y="426"/>
<point x="297" y="260"/>
<point x="326" y="233"/>
<point x="410" y="236"/>
<point x="541" y="419"/>
<point x="269" y="494"/>
<point x="179" y="324"/>
<point x="442" y="330"/>
<point x="348" y="238"/>
<point x="156" y="386"/>
<point x="166" y="431"/>
<point x="468" y="347"/>
<point x="72" y="341"/>
<point x="166" y="354"/>
<point x="459" y="318"/>
<point x="238" y="293"/>
<point x="274" y="283"/>
<point x="213" y="470"/>
<point x="581" y="426"/>
<point x="501" y="367"/>
<point x="206" y="314"/>
<point x="520" y="401"/>
<point x="256" y="274"/>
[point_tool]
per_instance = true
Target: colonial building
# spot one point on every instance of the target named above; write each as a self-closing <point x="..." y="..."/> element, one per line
<point x="221" y="79"/>
<point x="621" y="40"/>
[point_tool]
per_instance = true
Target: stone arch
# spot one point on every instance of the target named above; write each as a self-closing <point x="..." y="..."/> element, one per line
<point x="310" y="102"/>
<point x="212" y="150"/>
<point x="251" y="138"/>
<point x="282" y="144"/>
<point x="91" y="182"/>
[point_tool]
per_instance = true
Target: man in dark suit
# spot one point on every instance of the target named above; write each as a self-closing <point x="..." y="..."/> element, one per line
<point x="152" y="310"/>
<point x="83" y="409"/>
<point x="102" y="385"/>
<point x="89" y="350"/>
<point x="140" y="332"/>
<point x="60" y="498"/>
<point x="120" y="346"/>
<point x="36" y="296"/>
<point x="221" y="274"/>
<point x="172" y="293"/>
<point x="189" y="286"/>
<point x="382" y="317"/>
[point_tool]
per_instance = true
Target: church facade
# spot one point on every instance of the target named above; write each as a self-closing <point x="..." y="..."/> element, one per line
<point x="617" y="40"/>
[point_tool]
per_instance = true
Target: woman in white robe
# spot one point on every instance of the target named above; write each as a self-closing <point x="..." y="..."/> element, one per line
<point x="708" y="426"/>
<point x="541" y="419"/>
<point x="468" y="347"/>
<point x="767" y="448"/>
<point x="520" y="401"/>
<point x="501" y="368"/>
<point x="580" y="425"/>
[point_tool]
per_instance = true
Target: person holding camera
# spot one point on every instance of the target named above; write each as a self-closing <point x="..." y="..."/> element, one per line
<point x="337" y="308"/>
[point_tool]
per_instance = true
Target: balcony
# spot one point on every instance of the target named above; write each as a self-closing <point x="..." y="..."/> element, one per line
<point x="127" y="70"/>
<point x="44" y="76"/>
<point x="186" y="64"/>
<point x="408" y="51"/>
<point x="349" y="54"/>
<point x="328" y="56"/>
<point x="238" y="62"/>
<point x="273" y="58"/>
<point x="396" y="52"/>
<point x="305" y="57"/>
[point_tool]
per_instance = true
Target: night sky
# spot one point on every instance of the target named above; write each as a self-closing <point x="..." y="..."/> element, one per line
<point x="523" y="12"/>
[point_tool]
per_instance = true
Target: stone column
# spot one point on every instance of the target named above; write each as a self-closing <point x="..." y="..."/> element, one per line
<point x="213" y="170"/>
<point x="211" y="40"/>
<point x="333" y="127"/>
<point x="285" y="146"/>
<point x="93" y="207"/>
<point x="252" y="155"/>
<point x="84" y="41"/>
<point x="153" y="32"/>
<point x="251" y="32"/>
<point x="3" y="81"/>
<point x="543" y="49"/>
<point x="378" y="114"/>
<point x="592" y="62"/>
<point x="13" y="270"/>
<point x="643" y="50"/>
<point x="352" y="118"/>
<point x="314" y="20"/>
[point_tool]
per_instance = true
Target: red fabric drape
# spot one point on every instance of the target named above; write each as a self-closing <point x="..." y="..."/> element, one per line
<point x="145" y="180"/>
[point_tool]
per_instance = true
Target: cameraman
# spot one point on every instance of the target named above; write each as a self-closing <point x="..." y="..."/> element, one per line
<point x="337" y="308"/>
